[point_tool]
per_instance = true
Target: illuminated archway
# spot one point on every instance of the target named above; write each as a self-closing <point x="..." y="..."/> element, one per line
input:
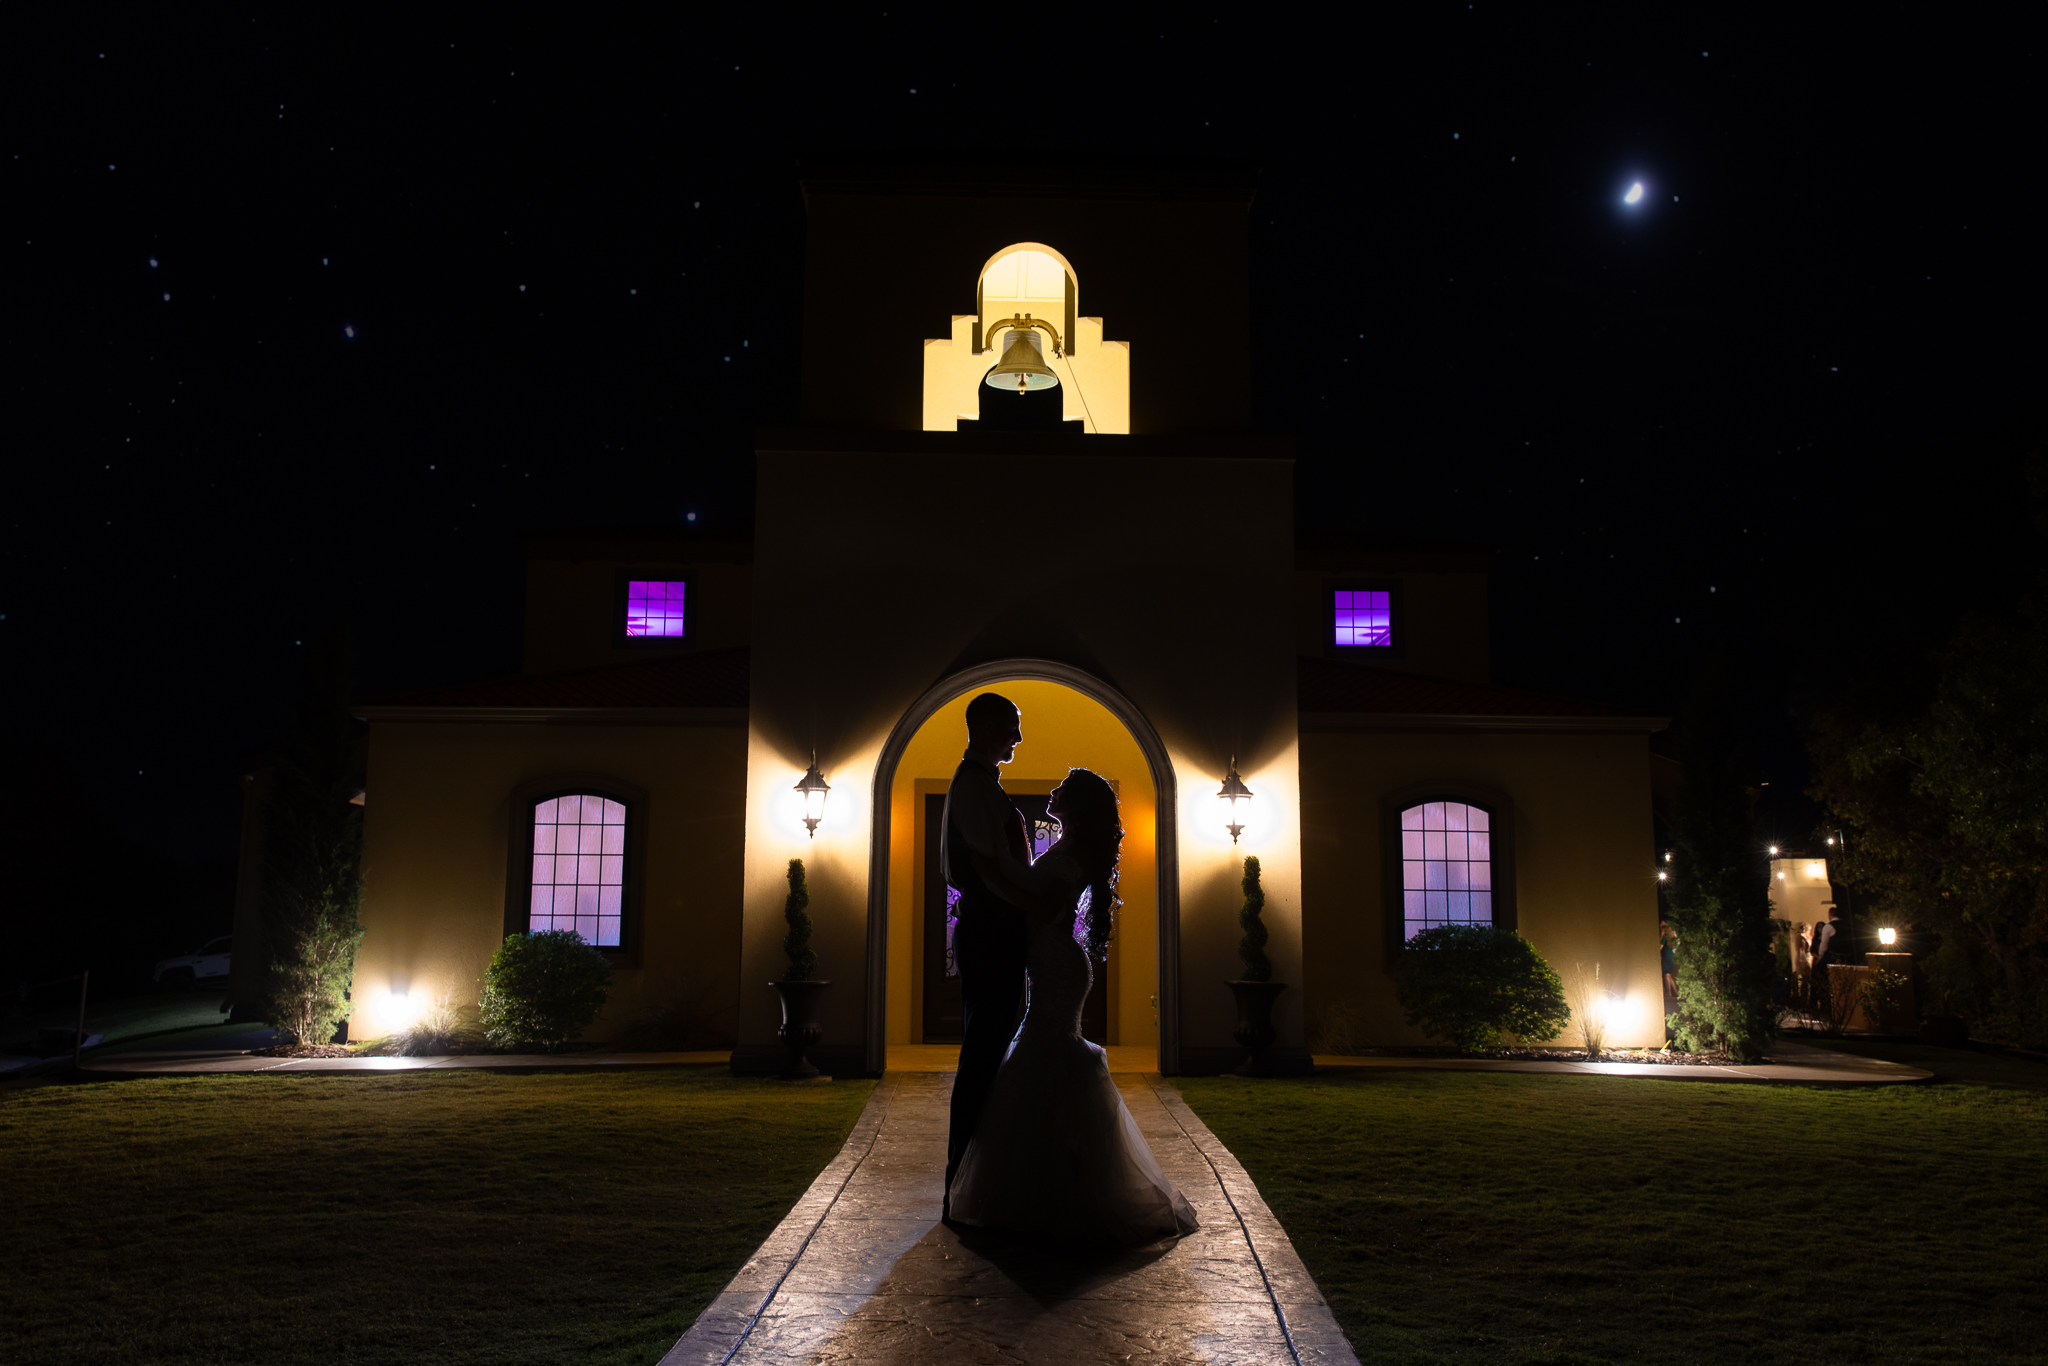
<point x="889" y="843"/>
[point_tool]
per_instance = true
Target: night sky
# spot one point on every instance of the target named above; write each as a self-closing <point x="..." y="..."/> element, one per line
<point x="313" y="312"/>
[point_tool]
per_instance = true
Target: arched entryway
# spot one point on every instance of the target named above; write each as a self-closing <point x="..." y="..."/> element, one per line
<point x="1070" y="717"/>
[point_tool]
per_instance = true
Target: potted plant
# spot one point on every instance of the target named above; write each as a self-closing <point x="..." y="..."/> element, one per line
<point x="1255" y="991"/>
<point x="800" y="1028"/>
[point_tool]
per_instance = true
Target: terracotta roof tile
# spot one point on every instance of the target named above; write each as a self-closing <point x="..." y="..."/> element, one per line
<point x="1327" y="686"/>
<point x="714" y="679"/>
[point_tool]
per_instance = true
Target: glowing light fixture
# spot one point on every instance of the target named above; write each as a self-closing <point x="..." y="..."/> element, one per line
<point x="1023" y="363"/>
<point x="1774" y="851"/>
<point x="1662" y="875"/>
<point x="1634" y="195"/>
<point x="1234" y="791"/>
<point x="1887" y="937"/>
<point x="814" y="787"/>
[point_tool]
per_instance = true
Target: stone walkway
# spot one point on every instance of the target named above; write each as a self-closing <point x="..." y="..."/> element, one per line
<point x="174" y="1063"/>
<point x="1789" y="1063"/>
<point x="862" y="1271"/>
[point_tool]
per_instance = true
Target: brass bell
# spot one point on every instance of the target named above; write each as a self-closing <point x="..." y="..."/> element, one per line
<point x="1023" y="365"/>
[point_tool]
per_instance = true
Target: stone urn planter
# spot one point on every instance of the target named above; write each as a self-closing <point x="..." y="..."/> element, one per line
<point x="800" y="1028"/>
<point x="1255" y="1023"/>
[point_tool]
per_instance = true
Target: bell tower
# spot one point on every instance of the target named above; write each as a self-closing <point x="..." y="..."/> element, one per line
<point x="899" y="252"/>
<point x="1026" y="310"/>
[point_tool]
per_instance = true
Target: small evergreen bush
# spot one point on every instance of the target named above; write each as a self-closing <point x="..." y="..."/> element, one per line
<point x="542" y="989"/>
<point x="803" y="959"/>
<point x="1252" y="948"/>
<point x="1472" y="984"/>
<point x="1885" y="998"/>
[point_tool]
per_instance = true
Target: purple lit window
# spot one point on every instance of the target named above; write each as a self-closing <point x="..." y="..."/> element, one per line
<point x="1446" y="867"/>
<point x="654" y="607"/>
<point x="1364" y="618"/>
<point x="579" y="866"/>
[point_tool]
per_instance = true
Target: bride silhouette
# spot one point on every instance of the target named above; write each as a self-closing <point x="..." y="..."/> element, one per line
<point x="1056" y="1150"/>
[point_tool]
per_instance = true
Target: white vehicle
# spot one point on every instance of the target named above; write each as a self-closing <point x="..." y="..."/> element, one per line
<point x="211" y="961"/>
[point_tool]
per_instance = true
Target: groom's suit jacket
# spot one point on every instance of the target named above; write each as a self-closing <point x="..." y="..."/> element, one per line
<point x="980" y="819"/>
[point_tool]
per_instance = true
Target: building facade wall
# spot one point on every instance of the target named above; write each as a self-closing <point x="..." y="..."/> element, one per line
<point x="437" y="824"/>
<point x="877" y="576"/>
<point x="1584" y="855"/>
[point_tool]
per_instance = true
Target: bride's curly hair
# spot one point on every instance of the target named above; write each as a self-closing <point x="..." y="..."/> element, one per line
<point x="1092" y="830"/>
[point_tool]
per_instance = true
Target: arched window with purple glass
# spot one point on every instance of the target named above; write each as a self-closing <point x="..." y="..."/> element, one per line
<point x="1449" y="860"/>
<point x="1446" y="866"/>
<point x="579" y="867"/>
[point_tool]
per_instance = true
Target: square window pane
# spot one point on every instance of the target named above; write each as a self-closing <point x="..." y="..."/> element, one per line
<point x="608" y="931"/>
<point x="1432" y="844"/>
<point x="1411" y="872"/>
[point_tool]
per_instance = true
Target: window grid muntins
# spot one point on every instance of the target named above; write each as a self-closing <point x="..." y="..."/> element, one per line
<point x="654" y="607"/>
<point x="579" y="867"/>
<point x="1364" y="618"/>
<point x="1446" y="866"/>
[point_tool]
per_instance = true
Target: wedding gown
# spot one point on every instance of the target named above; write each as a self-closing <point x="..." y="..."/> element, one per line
<point x="1056" y="1151"/>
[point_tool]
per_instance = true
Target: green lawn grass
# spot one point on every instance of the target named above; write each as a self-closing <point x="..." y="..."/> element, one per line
<point x="452" y="1218"/>
<point x="1489" y="1217"/>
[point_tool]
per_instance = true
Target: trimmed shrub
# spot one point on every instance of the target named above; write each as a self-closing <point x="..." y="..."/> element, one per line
<point x="1252" y="948"/>
<point x="1472" y="984"/>
<point x="796" y="909"/>
<point x="543" y="989"/>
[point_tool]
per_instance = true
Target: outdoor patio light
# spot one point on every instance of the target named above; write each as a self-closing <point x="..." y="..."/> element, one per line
<point x="1887" y="937"/>
<point x="1774" y="851"/>
<point x="814" y="787"/>
<point x="1234" y="791"/>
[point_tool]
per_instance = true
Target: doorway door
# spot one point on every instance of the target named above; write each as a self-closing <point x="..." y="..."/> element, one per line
<point x="941" y="971"/>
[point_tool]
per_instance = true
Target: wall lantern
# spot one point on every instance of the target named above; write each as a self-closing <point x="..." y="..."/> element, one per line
<point x="1023" y="363"/>
<point x="1887" y="937"/>
<point x="1234" y="791"/>
<point x="1774" y="851"/>
<point x="814" y="787"/>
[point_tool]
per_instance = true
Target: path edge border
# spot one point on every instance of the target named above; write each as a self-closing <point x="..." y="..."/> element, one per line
<point x="723" y="1327"/>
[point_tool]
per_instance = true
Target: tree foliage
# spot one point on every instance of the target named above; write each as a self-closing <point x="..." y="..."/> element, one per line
<point x="543" y="988"/>
<point x="311" y="861"/>
<point x="1250" y="919"/>
<point x="796" y="909"/>
<point x="1718" y="897"/>
<point x="1472" y="984"/>
<point x="1942" y="791"/>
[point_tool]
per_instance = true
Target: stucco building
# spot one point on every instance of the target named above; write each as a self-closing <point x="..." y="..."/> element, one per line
<point x="1112" y="547"/>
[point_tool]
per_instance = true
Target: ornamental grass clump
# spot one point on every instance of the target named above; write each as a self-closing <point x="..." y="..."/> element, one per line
<point x="543" y="989"/>
<point x="1475" y="984"/>
<point x="1589" y="1009"/>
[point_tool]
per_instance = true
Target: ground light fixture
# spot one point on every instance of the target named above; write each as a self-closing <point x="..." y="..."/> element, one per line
<point x="1235" y="792"/>
<point x="814" y="787"/>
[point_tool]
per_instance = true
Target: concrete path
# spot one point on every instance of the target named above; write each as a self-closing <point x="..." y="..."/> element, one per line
<point x="862" y="1271"/>
<point x="1789" y="1063"/>
<point x="174" y="1063"/>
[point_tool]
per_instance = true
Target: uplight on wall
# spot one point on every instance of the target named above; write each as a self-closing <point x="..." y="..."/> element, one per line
<point x="813" y="789"/>
<point x="1237" y="802"/>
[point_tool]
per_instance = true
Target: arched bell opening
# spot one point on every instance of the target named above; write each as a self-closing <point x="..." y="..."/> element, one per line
<point x="1035" y="410"/>
<point x="1070" y="719"/>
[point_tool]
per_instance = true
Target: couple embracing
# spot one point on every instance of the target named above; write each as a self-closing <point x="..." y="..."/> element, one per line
<point x="1041" y="1141"/>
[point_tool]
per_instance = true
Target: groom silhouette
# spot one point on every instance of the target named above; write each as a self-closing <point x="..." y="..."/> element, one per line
<point x="988" y="940"/>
